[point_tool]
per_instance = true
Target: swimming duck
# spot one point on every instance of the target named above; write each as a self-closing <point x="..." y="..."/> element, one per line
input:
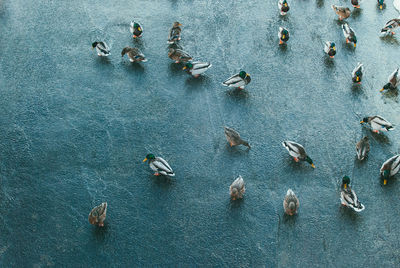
<point x="390" y="168"/>
<point x="342" y="12"/>
<point x="348" y="197"/>
<point x="381" y="3"/>
<point x="159" y="165"/>
<point x="136" y="29"/>
<point x="233" y="137"/>
<point x="377" y="123"/>
<point x="297" y="152"/>
<point x="134" y="54"/>
<point x="98" y="214"/>
<point x="355" y="3"/>
<point x="178" y="55"/>
<point x="393" y="81"/>
<point x="362" y="148"/>
<point x="283" y="35"/>
<point x="196" y="68"/>
<point x="283" y="6"/>
<point x="291" y="203"/>
<point x="237" y="188"/>
<point x="357" y="73"/>
<point x="390" y="26"/>
<point x="101" y="48"/>
<point x="330" y="49"/>
<point x="175" y="33"/>
<point x="239" y="80"/>
<point x="349" y="34"/>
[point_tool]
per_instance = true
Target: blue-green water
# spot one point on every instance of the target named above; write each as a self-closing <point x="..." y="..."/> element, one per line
<point x="75" y="128"/>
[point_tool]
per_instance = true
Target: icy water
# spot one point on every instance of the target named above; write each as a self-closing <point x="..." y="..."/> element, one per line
<point x="75" y="129"/>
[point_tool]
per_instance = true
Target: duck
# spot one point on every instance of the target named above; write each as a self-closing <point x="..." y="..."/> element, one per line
<point x="98" y="214"/>
<point x="239" y="80"/>
<point x="102" y="48"/>
<point x="298" y="152"/>
<point x="233" y="137"/>
<point x="179" y="55"/>
<point x="355" y="3"/>
<point x="393" y="81"/>
<point x="291" y="203"/>
<point x="237" y="188"/>
<point x="283" y="6"/>
<point x="134" y="54"/>
<point x="390" y="167"/>
<point x="357" y="74"/>
<point x="283" y="35"/>
<point x="175" y="33"/>
<point x="390" y="26"/>
<point x="362" y="148"/>
<point x="378" y="123"/>
<point x="349" y="34"/>
<point x="342" y="12"/>
<point x="348" y="197"/>
<point x="197" y="67"/>
<point x="136" y="29"/>
<point x="159" y="165"/>
<point x="330" y="49"/>
<point x="381" y="3"/>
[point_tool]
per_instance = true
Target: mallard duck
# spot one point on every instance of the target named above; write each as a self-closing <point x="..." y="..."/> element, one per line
<point x="297" y="152"/>
<point x="283" y="6"/>
<point x="381" y="3"/>
<point x="291" y="203"/>
<point x="283" y="35"/>
<point x="98" y="214"/>
<point x="390" y="26"/>
<point x="342" y="12"/>
<point x="136" y="29"/>
<point x="355" y="3"/>
<point x="159" y="165"/>
<point x="348" y="197"/>
<point x="330" y="49"/>
<point x="349" y="34"/>
<point x="239" y="80"/>
<point x="101" y="48"/>
<point x="377" y="123"/>
<point x="134" y="54"/>
<point x="175" y="33"/>
<point x="233" y="137"/>
<point x="196" y="68"/>
<point x="393" y="81"/>
<point x="362" y="148"/>
<point x="237" y="188"/>
<point x="357" y="74"/>
<point x="390" y="168"/>
<point x="178" y="55"/>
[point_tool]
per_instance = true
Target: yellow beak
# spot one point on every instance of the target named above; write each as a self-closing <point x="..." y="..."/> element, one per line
<point x="334" y="48"/>
<point x="381" y="7"/>
<point x="184" y="68"/>
<point x="144" y="160"/>
<point x="358" y="79"/>
<point x="179" y="24"/>
<point x="381" y="90"/>
<point x="355" y="45"/>
<point x="345" y="186"/>
<point x="313" y="165"/>
<point x="384" y="182"/>
<point x="362" y="122"/>
<point x="283" y="36"/>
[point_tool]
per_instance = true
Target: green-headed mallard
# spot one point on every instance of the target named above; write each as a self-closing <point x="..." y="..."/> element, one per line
<point x="357" y="74"/>
<point x="98" y="214"/>
<point x="381" y="4"/>
<point x="298" y="152"/>
<point x="390" y="168"/>
<point x="101" y="48"/>
<point x="349" y="34"/>
<point x="342" y="12"/>
<point x="393" y="81"/>
<point x="239" y="80"/>
<point x="348" y="197"/>
<point x="196" y="68"/>
<point x="362" y="148"/>
<point x="237" y="188"/>
<point x="283" y="6"/>
<point x="378" y="123"/>
<point x="159" y="165"/>
<point x="390" y="27"/>
<point x="233" y="137"/>
<point x="136" y="29"/>
<point x="134" y="54"/>
<point x="330" y="49"/>
<point x="283" y="35"/>
<point x="179" y="55"/>
<point x="175" y="33"/>
<point x="355" y="3"/>
<point x="291" y="203"/>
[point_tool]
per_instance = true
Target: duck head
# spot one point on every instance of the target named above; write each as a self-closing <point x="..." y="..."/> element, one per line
<point x="188" y="66"/>
<point x="333" y="46"/>
<point x="149" y="157"/>
<point x="345" y="182"/>
<point x="386" y="87"/>
<point x="243" y="74"/>
<point x="94" y="44"/>
<point x="365" y="120"/>
<point x="385" y="175"/>
<point x="309" y="160"/>
<point x="176" y="24"/>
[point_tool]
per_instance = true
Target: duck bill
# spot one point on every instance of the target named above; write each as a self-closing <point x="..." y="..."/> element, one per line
<point x="382" y="89"/>
<point x="358" y="79"/>
<point x="144" y="160"/>
<point x="355" y="45"/>
<point x="384" y="181"/>
<point x="361" y="122"/>
<point x="313" y="165"/>
<point x="345" y="186"/>
<point x="380" y="7"/>
<point x="184" y="68"/>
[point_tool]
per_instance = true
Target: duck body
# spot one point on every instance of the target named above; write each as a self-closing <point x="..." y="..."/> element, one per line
<point x="175" y="33"/>
<point x="291" y="203"/>
<point x="348" y="197"/>
<point x="136" y="29"/>
<point x="239" y="80"/>
<point x="179" y="55"/>
<point x="297" y="151"/>
<point x="390" y="27"/>
<point x="159" y="165"/>
<point x="283" y="35"/>
<point x="393" y="81"/>
<point x="362" y="148"/>
<point x="102" y="49"/>
<point x="349" y="34"/>
<point x="98" y="214"/>
<point x="196" y="68"/>
<point x="237" y="188"/>
<point x="134" y="54"/>
<point x="283" y="6"/>
<point x="233" y="137"/>
<point x="355" y="3"/>
<point x="378" y="123"/>
<point x="357" y="74"/>
<point x="330" y="49"/>
<point x="390" y="167"/>
<point x="342" y="12"/>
